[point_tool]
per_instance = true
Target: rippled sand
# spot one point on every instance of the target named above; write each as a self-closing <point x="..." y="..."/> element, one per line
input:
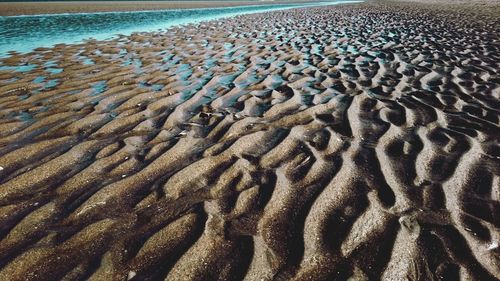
<point x="358" y="141"/>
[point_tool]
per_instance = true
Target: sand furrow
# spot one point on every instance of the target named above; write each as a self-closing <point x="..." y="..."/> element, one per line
<point x="355" y="141"/>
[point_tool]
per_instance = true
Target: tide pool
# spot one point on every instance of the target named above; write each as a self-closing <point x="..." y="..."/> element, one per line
<point x="25" y="33"/>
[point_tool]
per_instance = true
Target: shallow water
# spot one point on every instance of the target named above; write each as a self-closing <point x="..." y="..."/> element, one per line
<point x="25" y="33"/>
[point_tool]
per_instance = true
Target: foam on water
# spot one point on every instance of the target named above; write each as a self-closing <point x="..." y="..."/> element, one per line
<point x="25" y="33"/>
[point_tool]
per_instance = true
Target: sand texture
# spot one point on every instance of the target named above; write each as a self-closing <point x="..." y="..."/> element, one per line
<point x="356" y="141"/>
<point x="35" y="8"/>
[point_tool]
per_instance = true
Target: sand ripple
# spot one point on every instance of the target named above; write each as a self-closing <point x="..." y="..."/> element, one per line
<point x="353" y="142"/>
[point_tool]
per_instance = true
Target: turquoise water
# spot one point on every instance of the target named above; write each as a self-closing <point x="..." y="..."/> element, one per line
<point x="25" y="33"/>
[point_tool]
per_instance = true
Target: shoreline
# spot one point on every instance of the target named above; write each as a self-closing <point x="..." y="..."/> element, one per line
<point x="32" y="31"/>
<point x="82" y="7"/>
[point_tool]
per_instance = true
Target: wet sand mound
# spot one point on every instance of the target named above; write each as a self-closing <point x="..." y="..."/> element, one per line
<point x="360" y="141"/>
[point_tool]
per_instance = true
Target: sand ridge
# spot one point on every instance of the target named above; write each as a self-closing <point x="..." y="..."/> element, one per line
<point x="359" y="141"/>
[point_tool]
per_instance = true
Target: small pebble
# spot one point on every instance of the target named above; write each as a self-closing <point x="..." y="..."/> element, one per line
<point x="131" y="274"/>
<point x="493" y="246"/>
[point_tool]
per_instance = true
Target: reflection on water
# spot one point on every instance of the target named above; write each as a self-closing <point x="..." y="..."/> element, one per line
<point x="25" y="33"/>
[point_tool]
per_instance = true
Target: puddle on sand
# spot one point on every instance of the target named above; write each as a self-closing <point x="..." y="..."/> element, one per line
<point x="99" y="87"/>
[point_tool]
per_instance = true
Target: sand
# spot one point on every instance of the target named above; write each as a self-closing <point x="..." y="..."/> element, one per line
<point x="357" y="142"/>
<point x="55" y="7"/>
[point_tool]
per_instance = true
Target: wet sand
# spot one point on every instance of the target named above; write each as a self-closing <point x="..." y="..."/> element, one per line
<point x="357" y="141"/>
<point x="35" y="8"/>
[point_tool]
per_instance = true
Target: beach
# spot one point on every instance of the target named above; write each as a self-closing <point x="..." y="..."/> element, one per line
<point x="347" y="142"/>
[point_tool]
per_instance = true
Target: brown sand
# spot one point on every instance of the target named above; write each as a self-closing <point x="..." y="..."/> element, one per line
<point x="358" y="141"/>
<point x="33" y="8"/>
